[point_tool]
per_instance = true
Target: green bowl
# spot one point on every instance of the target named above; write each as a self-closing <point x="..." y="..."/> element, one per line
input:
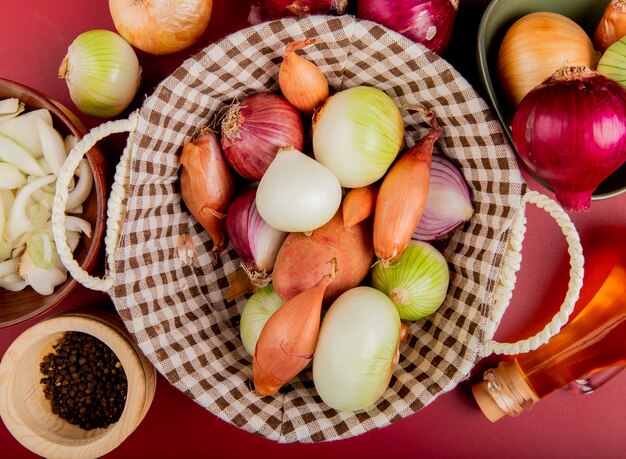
<point x="498" y="17"/>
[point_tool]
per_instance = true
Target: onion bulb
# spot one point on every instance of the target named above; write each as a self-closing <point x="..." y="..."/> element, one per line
<point x="448" y="203"/>
<point x="255" y="128"/>
<point x="102" y="73"/>
<point x="429" y="22"/>
<point x="357" y="134"/>
<point x="612" y="25"/>
<point x="535" y="47"/>
<point x="417" y="282"/>
<point x="302" y="82"/>
<point x="256" y="312"/>
<point x="161" y="26"/>
<point x="571" y="131"/>
<point x="255" y="241"/>
<point x="277" y="9"/>
<point x="613" y="62"/>
<point x="296" y="193"/>
<point x="357" y="349"/>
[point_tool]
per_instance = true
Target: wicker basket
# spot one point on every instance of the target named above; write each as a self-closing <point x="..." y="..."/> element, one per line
<point x="177" y="312"/>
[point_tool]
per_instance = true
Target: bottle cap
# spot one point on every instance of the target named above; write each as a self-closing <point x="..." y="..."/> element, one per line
<point x="485" y="401"/>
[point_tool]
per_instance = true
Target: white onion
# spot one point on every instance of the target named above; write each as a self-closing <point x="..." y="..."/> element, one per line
<point x="296" y="193"/>
<point x="356" y="350"/>
<point x="357" y="134"/>
<point x="257" y="310"/>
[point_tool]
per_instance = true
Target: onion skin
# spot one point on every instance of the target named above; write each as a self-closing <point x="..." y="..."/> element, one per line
<point x="302" y="83"/>
<point x="302" y="259"/>
<point x="402" y="196"/>
<point x="287" y="342"/>
<point x="448" y="204"/>
<point x="612" y="25"/>
<point x="535" y="47"/>
<point x="277" y="9"/>
<point x="571" y="131"/>
<point x="429" y="22"/>
<point x="207" y="186"/>
<point x="161" y="26"/>
<point x="254" y="129"/>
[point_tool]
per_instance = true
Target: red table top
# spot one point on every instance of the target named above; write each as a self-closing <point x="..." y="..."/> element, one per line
<point x="35" y="35"/>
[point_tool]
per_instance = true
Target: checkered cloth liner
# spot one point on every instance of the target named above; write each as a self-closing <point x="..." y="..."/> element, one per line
<point x="177" y="312"/>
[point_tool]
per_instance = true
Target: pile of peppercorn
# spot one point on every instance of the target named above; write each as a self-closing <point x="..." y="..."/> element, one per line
<point x="85" y="381"/>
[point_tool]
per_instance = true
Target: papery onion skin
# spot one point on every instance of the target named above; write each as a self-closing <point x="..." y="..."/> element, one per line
<point x="277" y="9"/>
<point x="207" y="186"/>
<point x="536" y="46"/>
<point x="102" y="73"/>
<point x="255" y="128"/>
<point x="448" y="204"/>
<point x="357" y="349"/>
<point x="302" y="82"/>
<point x="429" y="22"/>
<point x="417" y="282"/>
<point x="161" y="26"/>
<point x="297" y="194"/>
<point x="254" y="240"/>
<point x="357" y="134"/>
<point x="571" y="131"/>
<point x="612" y="25"/>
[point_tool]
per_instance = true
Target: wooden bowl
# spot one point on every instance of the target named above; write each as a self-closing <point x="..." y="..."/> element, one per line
<point x="26" y="304"/>
<point x="27" y="413"/>
<point x="496" y="20"/>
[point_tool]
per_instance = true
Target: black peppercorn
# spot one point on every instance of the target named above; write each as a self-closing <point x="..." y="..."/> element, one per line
<point x="84" y="381"/>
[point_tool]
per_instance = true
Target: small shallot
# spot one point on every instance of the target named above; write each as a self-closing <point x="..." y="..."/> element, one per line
<point x="612" y="25"/>
<point x="302" y="82"/>
<point x="255" y="128"/>
<point x="288" y="339"/>
<point x="359" y="204"/>
<point x="448" y="204"/>
<point x="255" y="241"/>
<point x="207" y="185"/>
<point x="402" y="196"/>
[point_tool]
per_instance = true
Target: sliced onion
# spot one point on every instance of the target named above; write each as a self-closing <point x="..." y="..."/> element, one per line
<point x="416" y="283"/>
<point x="448" y="204"/>
<point x="254" y="240"/>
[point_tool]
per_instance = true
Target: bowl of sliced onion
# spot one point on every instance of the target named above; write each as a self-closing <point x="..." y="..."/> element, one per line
<point x="36" y="134"/>
<point x="547" y="35"/>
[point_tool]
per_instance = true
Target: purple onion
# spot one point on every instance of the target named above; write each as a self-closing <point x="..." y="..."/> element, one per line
<point x="255" y="128"/>
<point x="277" y="9"/>
<point x="448" y="204"/>
<point x="429" y="22"/>
<point x="256" y="242"/>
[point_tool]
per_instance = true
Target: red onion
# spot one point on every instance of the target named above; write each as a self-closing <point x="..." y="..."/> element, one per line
<point x="448" y="204"/>
<point x="256" y="242"/>
<point x="571" y="131"/>
<point x="277" y="9"/>
<point x="429" y="22"/>
<point x="253" y="130"/>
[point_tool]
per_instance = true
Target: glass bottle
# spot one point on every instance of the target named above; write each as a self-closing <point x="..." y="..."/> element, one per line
<point x="593" y="341"/>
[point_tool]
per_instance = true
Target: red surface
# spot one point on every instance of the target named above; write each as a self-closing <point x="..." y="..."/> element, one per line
<point x="34" y="36"/>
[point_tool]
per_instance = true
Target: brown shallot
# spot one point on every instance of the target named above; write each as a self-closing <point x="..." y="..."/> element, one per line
<point x="288" y="339"/>
<point x="402" y="196"/>
<point x="207" y="185"/>
<point x="359" y="204"/>
<point x="612" y="25"/>
<point x="302" y="82"/>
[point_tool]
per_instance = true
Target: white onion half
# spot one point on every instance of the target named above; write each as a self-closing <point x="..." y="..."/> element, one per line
<point x="357" y="349"/>
<point x="296" y="193"/>
<point x="357" y="134"/>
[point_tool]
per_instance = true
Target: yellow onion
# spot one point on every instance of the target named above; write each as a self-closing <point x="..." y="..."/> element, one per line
<point x="161" y="26"/>
<point x="612" y="25"/>
<point x="535" y="47"/>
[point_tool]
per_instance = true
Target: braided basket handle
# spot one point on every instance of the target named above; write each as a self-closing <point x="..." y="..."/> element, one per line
<point x="512" y="260"/>
<point x="115" y="206"/>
